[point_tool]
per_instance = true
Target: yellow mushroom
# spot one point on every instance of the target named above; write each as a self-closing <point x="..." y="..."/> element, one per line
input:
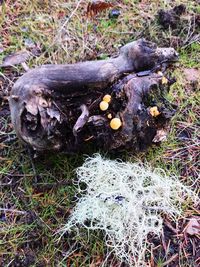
<point x="103" y="105"/>
<point x="154" y="111"/>
<point x="164" y="80"/>
<point x="107" y="98"/>
<point x="109" y="116"/>
<point x="160" y="73"/>
<point x="115" y="123"/>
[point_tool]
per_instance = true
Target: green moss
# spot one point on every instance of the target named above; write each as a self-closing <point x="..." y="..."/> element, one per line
<point x="189" y="56"/>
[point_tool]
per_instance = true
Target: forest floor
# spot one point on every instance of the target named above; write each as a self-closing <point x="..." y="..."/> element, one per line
<point x="37" y="196"/>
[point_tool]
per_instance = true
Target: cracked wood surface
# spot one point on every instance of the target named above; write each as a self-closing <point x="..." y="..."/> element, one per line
<point x="48" y="102"/>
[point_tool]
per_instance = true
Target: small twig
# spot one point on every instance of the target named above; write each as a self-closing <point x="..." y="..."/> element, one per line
<point x="174" y="257"/>
<point x="6" y="78"/>
<point x="43" y="222"/>
<point x="163" y="242"/>
<point x="195" y="39"/>
<point x="167" y="223"/>
<point x="168" y="246"/>
<point x="59" y="109"/>
<point x="152" y="258"/>
<point x="9" y="264"/>
<point x="4" y="133"/>
<point x="197" y="211"/>
<point x="10" y="140"/>
<point x="156" y="248"/>
<point x="32" y="163"/>
<point x="198" y="260"/>
<point x="70" y="252"/>
<point x="185" y="253"/>
<point x="193" y="247"/>
<point x="25" y="66"/>
<point x="72" y="14"/>
<point x="13" y="211"/>
<point x="15" y="174"/>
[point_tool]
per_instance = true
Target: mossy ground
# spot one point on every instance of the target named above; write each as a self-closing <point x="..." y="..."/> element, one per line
<point x="37" y="197"/>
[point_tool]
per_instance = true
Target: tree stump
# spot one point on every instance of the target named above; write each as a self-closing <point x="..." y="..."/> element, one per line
<point x="57" y="107"/>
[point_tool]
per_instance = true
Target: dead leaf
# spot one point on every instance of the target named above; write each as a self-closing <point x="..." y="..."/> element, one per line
<point x="96" y="6"/>
<point x="193" y="227"/>
<point x="161" y="135"/>
<point x="15" y="58"/>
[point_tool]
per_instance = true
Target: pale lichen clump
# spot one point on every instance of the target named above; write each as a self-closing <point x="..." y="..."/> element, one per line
<point x="126" y="201"/>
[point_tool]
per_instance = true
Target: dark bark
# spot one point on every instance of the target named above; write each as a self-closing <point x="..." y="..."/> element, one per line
<point x="57" y="106"/>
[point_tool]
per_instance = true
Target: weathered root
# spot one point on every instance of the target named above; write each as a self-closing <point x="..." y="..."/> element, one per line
<point x="82" y="120"/>
<point x="56" y="107"/>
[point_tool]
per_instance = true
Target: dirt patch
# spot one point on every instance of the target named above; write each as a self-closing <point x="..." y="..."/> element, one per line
<point x="192" y="75"/>
<point x="171" y="18"/>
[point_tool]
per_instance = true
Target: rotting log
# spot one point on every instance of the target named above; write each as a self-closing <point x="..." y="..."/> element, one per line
<point x="56" y="107"/>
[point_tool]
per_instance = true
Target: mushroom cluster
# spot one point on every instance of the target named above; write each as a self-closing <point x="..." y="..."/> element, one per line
<point x="115" y="123"/>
